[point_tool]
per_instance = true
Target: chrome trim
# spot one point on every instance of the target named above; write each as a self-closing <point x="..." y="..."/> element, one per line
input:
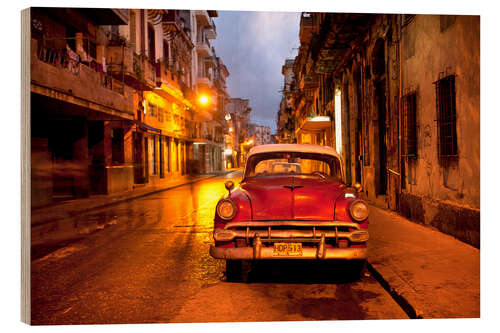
<point x="257" y="248"/>
<point x="321" y="253"/>
<point x="250" y="253"/>
<point x="309" y="223"/>
<point x="353" y="236"/>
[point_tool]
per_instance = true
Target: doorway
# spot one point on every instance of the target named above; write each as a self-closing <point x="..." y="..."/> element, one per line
<point x="138" y="159"/>
<point x="359" y="124"/>
<point x="146" y="159"/>
<point x="382" y="134"/>
<point x="380" y="102"/>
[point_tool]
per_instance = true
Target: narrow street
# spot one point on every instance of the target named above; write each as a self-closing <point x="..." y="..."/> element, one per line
<point x="150" y="263"/>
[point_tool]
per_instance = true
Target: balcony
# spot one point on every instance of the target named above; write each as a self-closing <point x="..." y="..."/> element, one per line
<point x="203" y="48"/>
<point x="210" y="61"/>
<point x="135" y="70"/>
<point x="148" y="68"/>
<point x="202" y="17"/>
<point x="56" y="74"/>
<point x="309" y="82"/>
<point x="210" y="30"/>
<point x="171" y="25"/>
<point x="205" y="82"/>
<point x="306" y="28"/>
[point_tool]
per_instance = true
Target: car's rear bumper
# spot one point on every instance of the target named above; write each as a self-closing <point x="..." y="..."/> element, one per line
<point x="256" y="253"/>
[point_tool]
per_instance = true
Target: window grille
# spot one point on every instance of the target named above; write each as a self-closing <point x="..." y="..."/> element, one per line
<point x="446" y="117"/>
<point x="410" y="124"/>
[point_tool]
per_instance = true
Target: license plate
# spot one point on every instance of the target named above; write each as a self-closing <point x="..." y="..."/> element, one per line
<point x="287" y="249"/>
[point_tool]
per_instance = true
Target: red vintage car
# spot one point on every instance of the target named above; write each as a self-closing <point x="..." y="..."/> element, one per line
<point x="291" y="204"/>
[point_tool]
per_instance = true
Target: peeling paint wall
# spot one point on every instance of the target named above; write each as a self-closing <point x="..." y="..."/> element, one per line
<point x="445" y="195"/>
<point x="454" y="51"/>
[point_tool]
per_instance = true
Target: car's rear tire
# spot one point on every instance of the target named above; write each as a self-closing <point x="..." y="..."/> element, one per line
<point x="237" y="270"/>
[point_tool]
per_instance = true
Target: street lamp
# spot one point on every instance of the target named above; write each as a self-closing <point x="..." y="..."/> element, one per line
<point x="203" y="100"/>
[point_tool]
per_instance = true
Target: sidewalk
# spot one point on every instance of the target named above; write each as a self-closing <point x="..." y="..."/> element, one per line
<point x="49" y="224"/>
<point x="436" y="274"/>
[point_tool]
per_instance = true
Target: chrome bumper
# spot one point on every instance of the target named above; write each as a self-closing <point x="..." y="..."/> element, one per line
<point x="251" y="253"/>
<point x="272" y="230"/>
<point x="257" y="233"/>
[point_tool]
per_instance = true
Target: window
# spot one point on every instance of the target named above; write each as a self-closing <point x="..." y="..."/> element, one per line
<point x="410" y="124"/>
<point x="151" y="43"/>
<point x="155" y="155"/>
<point x="165" y="55"/>
<point x="93" y="50"/>
<point x="446" y="117"/>
<point x="160" y="114"/>
<point x="152" y="109"/>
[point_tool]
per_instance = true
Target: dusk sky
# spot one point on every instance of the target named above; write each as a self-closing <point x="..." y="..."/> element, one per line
<point x="254" y="46"/>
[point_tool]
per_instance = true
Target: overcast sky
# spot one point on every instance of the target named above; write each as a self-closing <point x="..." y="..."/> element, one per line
<point x="254" y="46"/>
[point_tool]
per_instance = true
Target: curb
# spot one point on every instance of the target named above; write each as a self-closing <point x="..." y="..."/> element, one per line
<point x="132" y="197"/>
<point x="396" y="294"/>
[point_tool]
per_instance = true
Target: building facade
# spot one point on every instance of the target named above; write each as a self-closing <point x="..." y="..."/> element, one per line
<point x="239" y="113"/>
<point x="398" y="97"/>
<point x="81" y="116"/>
<point x="115" y="99"/>
<point x="285" y="119"/>
<point x="259" y="134"/>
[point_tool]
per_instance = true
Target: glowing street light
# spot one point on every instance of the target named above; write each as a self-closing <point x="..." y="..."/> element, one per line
<point x="203" y="100"/>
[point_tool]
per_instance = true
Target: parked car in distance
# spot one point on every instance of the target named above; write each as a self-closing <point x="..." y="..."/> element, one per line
<point x="304" y="210"/>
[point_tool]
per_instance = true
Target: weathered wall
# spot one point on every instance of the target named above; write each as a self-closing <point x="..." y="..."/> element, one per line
<point x="120" y="178"/>
<point x="453" y="51"/>
<point x="444" y="195"/>
<point x="436" y="194"/>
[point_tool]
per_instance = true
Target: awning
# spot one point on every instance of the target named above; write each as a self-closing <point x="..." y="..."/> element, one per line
<point x="146" y="127"/>
<point x="315" y="124"/>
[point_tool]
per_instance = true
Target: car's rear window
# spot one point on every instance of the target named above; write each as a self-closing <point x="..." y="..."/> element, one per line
<point x="293" y="163"/>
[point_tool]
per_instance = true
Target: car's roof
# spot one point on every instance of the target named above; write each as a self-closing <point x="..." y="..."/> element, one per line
<point x="284" y="147"/>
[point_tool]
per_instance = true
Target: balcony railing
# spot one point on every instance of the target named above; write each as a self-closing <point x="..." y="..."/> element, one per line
<point x="69" y="61"/>
<point x="210" y="30"/>
<point x="61" y="69"/>
<point x="203" y="47"/>
<point x="133" y="69"/>
<point x="306" y="27"/>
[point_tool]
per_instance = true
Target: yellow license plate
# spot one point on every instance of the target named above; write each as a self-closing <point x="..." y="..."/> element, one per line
<point x="287" y="249"/>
